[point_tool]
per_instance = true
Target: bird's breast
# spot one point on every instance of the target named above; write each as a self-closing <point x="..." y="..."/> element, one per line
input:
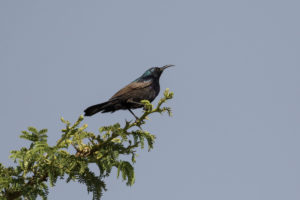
<point x="151" y="91"/>
<point x="146" y="93"/>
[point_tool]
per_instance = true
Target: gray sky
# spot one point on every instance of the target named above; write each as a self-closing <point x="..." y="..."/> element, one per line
<point x="235" y="130"/>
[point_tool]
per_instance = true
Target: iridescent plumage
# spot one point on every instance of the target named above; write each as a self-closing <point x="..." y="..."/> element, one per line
<point x="146" y="87"/>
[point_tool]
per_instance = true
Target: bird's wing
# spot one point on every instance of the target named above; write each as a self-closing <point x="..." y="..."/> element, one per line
<point x="130" y="88"/>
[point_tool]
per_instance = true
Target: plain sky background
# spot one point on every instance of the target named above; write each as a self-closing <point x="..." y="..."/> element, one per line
<point x="235" y="131"/>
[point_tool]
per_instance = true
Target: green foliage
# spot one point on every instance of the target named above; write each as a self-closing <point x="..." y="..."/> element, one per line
<point x="40" y="163"/>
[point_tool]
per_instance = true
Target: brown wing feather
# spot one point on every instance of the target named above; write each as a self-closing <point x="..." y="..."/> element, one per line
<point x="131" y="87"/>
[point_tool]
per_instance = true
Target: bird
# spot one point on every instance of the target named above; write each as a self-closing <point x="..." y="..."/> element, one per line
<point x="146" y="87"/>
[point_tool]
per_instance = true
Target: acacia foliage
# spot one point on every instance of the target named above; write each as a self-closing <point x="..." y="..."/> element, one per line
<point x="41" y="165"/>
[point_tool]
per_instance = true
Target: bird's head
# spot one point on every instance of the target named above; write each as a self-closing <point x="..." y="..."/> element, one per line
<point x="153" y="73"/>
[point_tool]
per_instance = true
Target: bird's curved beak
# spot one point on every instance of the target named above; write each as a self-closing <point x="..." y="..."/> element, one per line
<point x="165" y="67"/>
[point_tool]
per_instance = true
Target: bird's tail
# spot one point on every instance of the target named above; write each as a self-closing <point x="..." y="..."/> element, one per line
<point x="95" y="109"/>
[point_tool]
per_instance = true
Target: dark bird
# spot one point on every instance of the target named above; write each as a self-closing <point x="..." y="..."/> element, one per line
<point x="145" y="87"/>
